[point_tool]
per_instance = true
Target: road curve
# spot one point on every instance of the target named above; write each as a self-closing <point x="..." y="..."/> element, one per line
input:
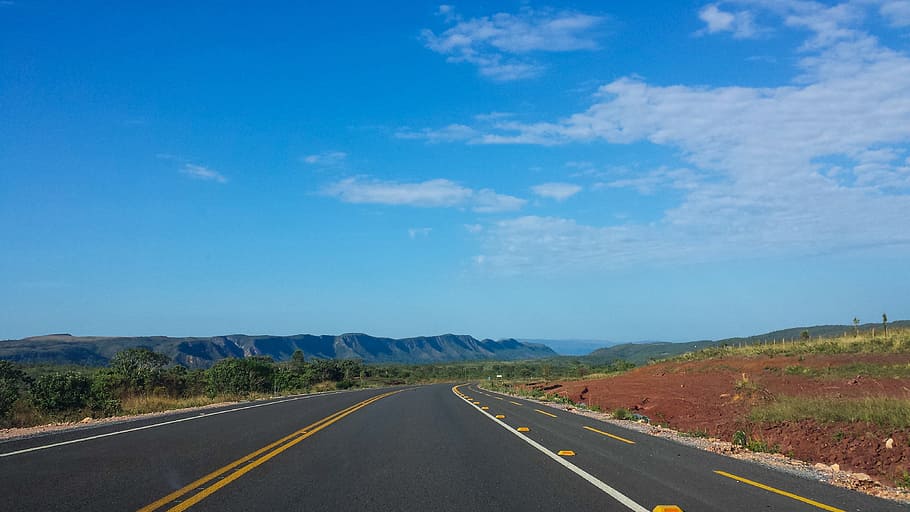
<point x="438" y="447"/>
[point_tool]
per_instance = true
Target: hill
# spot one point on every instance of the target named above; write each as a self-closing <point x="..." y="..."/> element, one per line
<point x="641" y="353"/>
<point x="202" y="352"/>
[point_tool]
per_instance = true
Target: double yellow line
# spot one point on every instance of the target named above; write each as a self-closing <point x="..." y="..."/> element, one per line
<point x="247" y="463"/>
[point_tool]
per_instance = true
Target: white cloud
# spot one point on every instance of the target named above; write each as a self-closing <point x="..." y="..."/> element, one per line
<point x="431" y="193"/>
<point x="897" y="13"/>
<point x="740" y="23"/>
<point x="499" y="44"/>
<point x="488" y="201"/>
<point x="326" y="159"/>
<point x="473" y="228"/>
<point x="451" y="133"/>
<point x="414" y="233"/>
<point x="202" y="173"/>
<point x="557" y="191"/>
<point x="816" y="165"/>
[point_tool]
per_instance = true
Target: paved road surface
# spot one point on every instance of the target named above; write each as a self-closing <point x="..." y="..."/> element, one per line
<point x="410" y="449"/>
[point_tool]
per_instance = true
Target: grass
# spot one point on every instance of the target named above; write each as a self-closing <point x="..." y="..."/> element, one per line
<point x="885" y="412"/>
<point x="896" y="341"/>
<point x="144" y="404"/>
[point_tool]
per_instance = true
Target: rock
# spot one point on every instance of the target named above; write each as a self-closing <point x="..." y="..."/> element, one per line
<point x="821" y="466"/>
<point x="835" y="467"/>
<point x="889" y="444"/>
<point x="862" y="477"/>
<point x="87" y="419"/>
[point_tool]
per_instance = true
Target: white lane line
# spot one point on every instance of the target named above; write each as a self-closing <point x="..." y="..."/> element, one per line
<point x="618" y="496"/>
<point x="191" y="418"/>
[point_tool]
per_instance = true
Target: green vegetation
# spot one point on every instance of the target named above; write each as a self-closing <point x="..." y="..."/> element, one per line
<point x="886" y="412"/>
<point x="865" y="342"/>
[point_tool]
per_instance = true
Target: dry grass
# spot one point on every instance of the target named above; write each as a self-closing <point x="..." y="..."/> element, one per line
<point x="886" y="412"/>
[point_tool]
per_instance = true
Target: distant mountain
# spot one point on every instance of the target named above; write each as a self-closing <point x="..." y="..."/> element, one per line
<point x="641" y="353"/>
<point x="203" y="352"/>
<point x="570" y="347"/>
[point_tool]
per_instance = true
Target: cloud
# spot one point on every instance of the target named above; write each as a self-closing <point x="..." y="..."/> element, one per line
<point x="499" y="45"/>
<point x="326" y="159"/>
<point x="740" y="23"/>
<point x="202" y="173"/>
<point x="650" y="182"/>
<point x="439" y="193"/>
<point x="473" y="228"/>
<point x="897" y="13"/>
<point x="816" y="165"/>
<point x="414" y="233"/>
<point x="451" y="133"/>
<point x="557" y="191"/>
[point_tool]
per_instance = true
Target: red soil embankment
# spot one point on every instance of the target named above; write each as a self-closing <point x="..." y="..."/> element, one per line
<point x="716" y="396"/>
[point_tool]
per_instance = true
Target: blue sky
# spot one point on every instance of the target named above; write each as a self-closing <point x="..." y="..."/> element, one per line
<point x="593" y="170"/>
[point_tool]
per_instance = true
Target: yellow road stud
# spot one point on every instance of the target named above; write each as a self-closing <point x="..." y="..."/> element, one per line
<point x="566" y="453"/>
<point x="667" y="508"/>
<point x="500" y="416"/>
<point x="523" y="429"/>
<point x="476" y="403"/>
<point x="485" y="408"/>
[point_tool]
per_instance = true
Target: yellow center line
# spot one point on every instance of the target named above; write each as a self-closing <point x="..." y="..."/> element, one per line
<point x="592" y="429"/>
<point x="300" y="435"/>
<point x="514" y="403"/>
<point x="796" y="497"/>
<point x="545" y="412"/>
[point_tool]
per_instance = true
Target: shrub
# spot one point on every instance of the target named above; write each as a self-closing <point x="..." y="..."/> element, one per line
<point x="621" y="413"/>
<point x="12" y="380"/>
<point x="61" y="392"/>
<point x="740" y="438"/>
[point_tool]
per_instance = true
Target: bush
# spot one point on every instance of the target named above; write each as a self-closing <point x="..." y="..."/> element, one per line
<point x="241" y="376"/>
<point x="62" y="392"/>
<point x="622" y="414"/>
<point x="740" y="439"/>
<point x="12" y="380"/>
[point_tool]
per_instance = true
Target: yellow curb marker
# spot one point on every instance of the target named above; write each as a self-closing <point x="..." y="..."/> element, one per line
<point x="667" y="508"/>
<point x="768" y="488"/>
<point x="485" y="408"/>
<point x="500" y="416"/>
<point x="523" y="429"/>
<point x="614" y="437"/>
<point x="566" y="453"/>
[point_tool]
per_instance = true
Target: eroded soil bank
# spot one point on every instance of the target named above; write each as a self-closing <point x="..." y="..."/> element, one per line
<point x="714" y="398"/>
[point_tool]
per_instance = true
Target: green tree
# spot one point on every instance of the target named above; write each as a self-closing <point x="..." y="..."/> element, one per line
<point x="241" y="376"/>
<point x="141" y="367"/>
<point x="855" y="327"/>
<point x="12" y="382"/>
<point x="885" y="323"/>
<point x="61" y="392"/>
<point x="804" y="335"/>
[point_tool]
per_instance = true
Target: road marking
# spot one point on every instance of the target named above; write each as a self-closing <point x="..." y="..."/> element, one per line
<point x="485" y="408"/>
<point x="592" y="429"/>
<point x="155" y="425"/>
<point x="523" y="429"/>
<point x="566" y="453"/>
<point x="515" y="403"/>
<point x="545" y="412"/>
<point x="591" y="479"/>
<point x="498" y="397"/>
<point x="276" y="447"/>
<point x="501" y="416"/>
<point x="796" y="497"/>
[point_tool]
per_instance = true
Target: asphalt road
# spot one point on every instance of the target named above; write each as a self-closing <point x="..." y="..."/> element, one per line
<point x="412" y="448"/>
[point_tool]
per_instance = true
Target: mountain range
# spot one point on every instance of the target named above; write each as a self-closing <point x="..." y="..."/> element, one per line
<point x="203" y="352"/>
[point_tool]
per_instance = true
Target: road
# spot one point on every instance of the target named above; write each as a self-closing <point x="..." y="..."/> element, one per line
<point x="438" y="447"/>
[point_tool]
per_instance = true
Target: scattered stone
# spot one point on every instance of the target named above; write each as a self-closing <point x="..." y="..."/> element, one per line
<point x="889" y="444"/>
<point x="835" y="467"/>
<point x="87" y="419"/>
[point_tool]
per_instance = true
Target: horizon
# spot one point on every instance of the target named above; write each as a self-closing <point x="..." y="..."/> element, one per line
<point x="579" y="171"/>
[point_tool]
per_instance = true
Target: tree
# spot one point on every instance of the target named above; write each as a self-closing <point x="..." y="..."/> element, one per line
<point x="62" y="392"/>
<point x="855" y="327"/>
<point x="885" y="323"/>
<point x="12" y="380"/>
<point x="140" y="367"/>
<point x="804" y="335"/>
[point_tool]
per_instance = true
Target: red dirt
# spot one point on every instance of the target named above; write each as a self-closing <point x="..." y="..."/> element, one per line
<point x="703" y="396"/>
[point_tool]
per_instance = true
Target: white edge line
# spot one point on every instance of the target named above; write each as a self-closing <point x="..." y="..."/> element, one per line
<point x="618" y="496"/>
<point x="190" y="418"/>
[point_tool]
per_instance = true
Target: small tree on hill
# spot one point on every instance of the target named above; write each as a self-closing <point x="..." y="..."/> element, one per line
<point x="885" y="323"/>
<point x="855" y="327"/>
<point x="804" y="335"/>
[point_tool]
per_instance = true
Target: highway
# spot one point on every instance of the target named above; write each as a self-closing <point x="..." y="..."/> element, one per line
<point x="438" y="447"/>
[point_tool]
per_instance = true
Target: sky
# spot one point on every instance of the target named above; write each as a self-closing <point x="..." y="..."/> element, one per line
<point x="590" y="170"/>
